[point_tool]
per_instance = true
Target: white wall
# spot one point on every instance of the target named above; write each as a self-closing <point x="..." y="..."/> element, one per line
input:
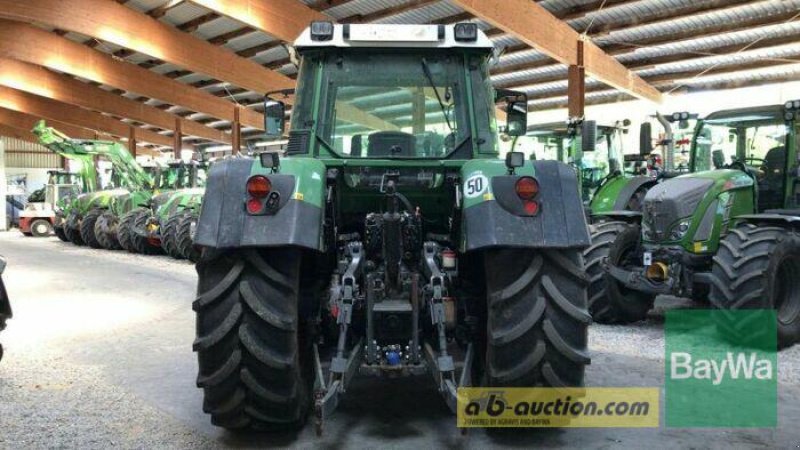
<point x="36" y="178"/>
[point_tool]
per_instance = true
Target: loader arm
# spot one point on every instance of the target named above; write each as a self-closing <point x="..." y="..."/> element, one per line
<point x="131" y="173"/>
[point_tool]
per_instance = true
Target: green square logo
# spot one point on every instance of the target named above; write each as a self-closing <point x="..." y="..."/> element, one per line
<point x="721" y="369"/>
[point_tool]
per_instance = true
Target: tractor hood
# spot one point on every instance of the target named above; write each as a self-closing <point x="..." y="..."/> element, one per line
<point x="685" y="208"/>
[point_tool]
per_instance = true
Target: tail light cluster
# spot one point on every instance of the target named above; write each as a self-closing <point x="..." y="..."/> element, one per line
<point x="261" y="196"/>
<point x="527" y="189"/>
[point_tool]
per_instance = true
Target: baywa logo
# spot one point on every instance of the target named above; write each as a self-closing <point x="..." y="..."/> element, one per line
<point x="721" y="368"/>
<point x="742" y="365"/>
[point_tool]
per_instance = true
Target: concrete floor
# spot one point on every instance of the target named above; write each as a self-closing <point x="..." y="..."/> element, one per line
<point x="99" y="354"/>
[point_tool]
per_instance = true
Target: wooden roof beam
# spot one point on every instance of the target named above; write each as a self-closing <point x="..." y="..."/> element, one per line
<point x="40" y="81"/>
<point x="53" y="110"/>
<point x="559" y="41"/>
<point x="26" y="122"/>
<point x="27" y="43"/>
<point x="125" y="27"/>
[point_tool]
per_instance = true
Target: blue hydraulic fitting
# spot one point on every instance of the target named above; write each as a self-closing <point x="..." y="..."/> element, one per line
<point x="393" y="358"/>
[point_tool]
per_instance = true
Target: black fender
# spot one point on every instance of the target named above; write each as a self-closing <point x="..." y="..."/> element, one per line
<point x="621" y="215"/>
<point x="224" y="223"/>
<point x="560" y="222"/>
<point x="5" y="304"/>
<point x="786" y="218"/>
<point x="634" y="184"/>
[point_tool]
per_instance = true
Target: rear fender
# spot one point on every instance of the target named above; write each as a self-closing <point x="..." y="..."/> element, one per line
<point x="489" y="219"/>
<point x="225" y="223"/>
<point x="615" y="194"/>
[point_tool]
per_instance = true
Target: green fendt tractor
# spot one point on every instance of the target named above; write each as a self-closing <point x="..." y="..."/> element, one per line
<point x="727" y="231"/>
<point x="597" y="158"/>
<point x="172" y="216"/>
<point x="79" y="216"/>
<point x="391" y="240"/>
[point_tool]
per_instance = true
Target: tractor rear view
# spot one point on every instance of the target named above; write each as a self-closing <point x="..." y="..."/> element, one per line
<point x="391" y="241"/>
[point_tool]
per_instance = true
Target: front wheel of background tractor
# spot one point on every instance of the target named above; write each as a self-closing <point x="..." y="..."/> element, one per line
<point x="537" y="318"/>
<point x="254" y="356"/>
<point x="87" y="228"/>
<point x="105" y="229"/>
<point x="41" y="228"/>
<point x="758" y="268"/>
<point x="125" y="230"/>
<point x="609" y="300"/>
<point x="169" y="239"/>
<point x="139" y="240"/>
<point x="72" y="229"/>
<point x="185" y="236"/>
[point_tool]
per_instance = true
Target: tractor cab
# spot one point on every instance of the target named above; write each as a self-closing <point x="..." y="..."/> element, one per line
<point x="595" y="161"/>
<point x="758" y="141"/>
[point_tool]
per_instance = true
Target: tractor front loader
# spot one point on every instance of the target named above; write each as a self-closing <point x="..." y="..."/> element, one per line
<point x="82" y="213"/>
<point x="390" y="241"/>
<point x="727" y="232"/>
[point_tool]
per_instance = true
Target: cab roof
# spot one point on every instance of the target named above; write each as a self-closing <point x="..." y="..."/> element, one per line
<point x="394" y="36"/>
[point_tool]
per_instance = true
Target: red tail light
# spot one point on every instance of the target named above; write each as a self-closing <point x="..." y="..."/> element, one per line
<point x="527" y="188"/>
<point x="531" y="207"/>
<point x="254" y="206"/>
<point x="258" y="186"/>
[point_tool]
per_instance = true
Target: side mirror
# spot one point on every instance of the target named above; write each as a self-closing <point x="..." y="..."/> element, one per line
<point x="516" y="111"/>
<point x="271" y="160"/>
<point x="514" y="160"/>
<point x="274" y="117"/>
<point x="588" y="135"/>
<point x="645" y="139"/>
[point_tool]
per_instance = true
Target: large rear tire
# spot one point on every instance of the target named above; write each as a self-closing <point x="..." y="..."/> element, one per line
<point x="609" y="300"/>
<point x="72" y="229"/>
<point x="185" y="236"/>
<point x="253" y="353"/>
<point x="59" y="231"/>
<point x="105" y="230"/>
<point x="537" y="318"/>
<point x="169" y="240"/>
<point x="141" y="244"/>
<point x="125" y="230"/>
<point x="758" y="267"/>
<point x="87" y="228"/>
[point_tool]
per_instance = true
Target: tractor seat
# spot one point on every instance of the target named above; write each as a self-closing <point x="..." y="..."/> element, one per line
<point x="391" y="143"/>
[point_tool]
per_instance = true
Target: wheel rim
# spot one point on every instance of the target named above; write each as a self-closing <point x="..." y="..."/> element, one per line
<point x="41" y="228"/>
<point x="787" y="291"/>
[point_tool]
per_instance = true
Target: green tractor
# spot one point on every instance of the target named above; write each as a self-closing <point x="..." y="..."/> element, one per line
<point x="171" y="218"/>
<point x="79" y="216"/>
<point x="726" y="232"/>
<point x="5" y="304"/>
<point x="596" y="158"/>
<point x="391" y="240"/>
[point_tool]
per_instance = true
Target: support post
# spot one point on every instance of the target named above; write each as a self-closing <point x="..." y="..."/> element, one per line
<point x="236" y="132"/>
<point x="178" y="137"/>
<point x="576" y="91"/>
<point x="132" y="141"/>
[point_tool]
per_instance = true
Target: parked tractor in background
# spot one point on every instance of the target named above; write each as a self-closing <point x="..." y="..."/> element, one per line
<point x="595" y="158"/>
<point x="728" y="231"/>
<point x="5" y="304"/>
<point x="391" y="240"/>
<point x="38" y="218"/>
<point x="168" y="221"/>
<point x="81" y="213"/>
